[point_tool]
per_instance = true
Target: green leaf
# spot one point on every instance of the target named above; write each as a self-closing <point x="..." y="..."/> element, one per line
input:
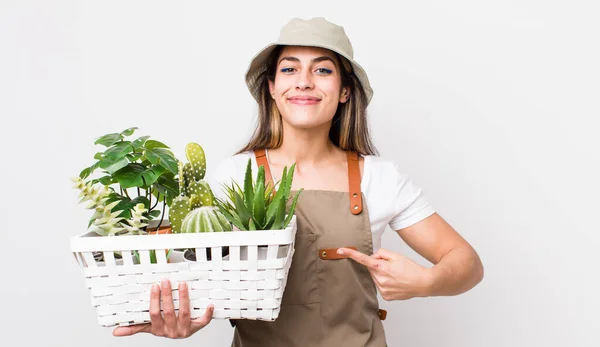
<point x="168" y="186"/>
<point x="141" y="199"/>
<point x="292" y="209"/>
<point x="130" y="175"/>
<point x="152" y="144"/>
<point x="139" y="143"/>
<point x="85" y="173"/>
<point x="164" y="158"/>
<point x="243" y="212"/>
<point x="279" y="218"/>
<point x="129" y="131"/>
<point x="133" y="157"/>
<point x="154" y="213"/>
<point x="119" y="150"/>
<point x="248" y="189"/>
<point x="251" y="225"/>
<point x="117" y="165"/>
<point x="98" y="156"/>
<point x="152" y="174"/>
<point x="124" y="205"/>
<point x="106" y="180"/>
<point x="108" y="139"/>
<point x="259" y="204"/>
<point x="288" y="181"/>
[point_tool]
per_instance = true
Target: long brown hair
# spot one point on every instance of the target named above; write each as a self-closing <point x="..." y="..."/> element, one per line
<point x="349" y="129"/>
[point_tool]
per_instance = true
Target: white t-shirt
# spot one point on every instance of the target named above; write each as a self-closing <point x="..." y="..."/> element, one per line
<point x="392" y="198"/>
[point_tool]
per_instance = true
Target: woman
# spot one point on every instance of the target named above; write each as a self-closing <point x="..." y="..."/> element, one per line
<point x="312" y="99"/>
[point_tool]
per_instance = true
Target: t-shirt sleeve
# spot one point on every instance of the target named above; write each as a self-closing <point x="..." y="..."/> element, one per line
<point x="410" y="205"/>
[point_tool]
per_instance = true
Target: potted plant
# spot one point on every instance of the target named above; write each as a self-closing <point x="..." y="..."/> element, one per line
<point x="192" y="211"/>
<point x="135" y="186"/>
<point x="258" y="206"/>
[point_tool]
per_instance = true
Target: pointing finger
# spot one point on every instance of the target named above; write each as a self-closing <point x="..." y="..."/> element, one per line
<point x="360" y="258"/>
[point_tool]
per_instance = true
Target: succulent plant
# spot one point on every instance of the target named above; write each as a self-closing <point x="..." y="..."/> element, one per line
<point x="193" y="211"/>
<point x="105" y="222"/>
<point x="255" y="207"/>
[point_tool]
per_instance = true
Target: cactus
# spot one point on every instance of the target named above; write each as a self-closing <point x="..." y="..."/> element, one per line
<point x="181" y="204"/>
<point x="205" y="219"/>
<point x="193" y="210"/>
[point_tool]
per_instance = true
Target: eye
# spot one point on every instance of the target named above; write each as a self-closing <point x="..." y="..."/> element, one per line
<point x="324" y="71"/>
<point x="287" y="69"/>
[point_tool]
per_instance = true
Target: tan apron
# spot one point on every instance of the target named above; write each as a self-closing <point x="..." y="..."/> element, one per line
<point x="329" y="300"/>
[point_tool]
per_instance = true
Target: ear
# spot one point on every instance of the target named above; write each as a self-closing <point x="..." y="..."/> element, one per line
<point x="344" y="95"/>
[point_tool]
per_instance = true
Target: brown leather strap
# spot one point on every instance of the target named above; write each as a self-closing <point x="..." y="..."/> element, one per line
<point x="331" y="253"/>
<point x="261" y="159"/>
<point x="354" y="183"/>
<point x="382" y="314"/>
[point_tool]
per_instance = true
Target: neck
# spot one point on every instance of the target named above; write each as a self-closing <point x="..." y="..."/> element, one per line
<point x="305" y="147"/>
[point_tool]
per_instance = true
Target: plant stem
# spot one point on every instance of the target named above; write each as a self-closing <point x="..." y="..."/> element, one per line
<point x="156" y="203"/>
<point x="162" y="216"/>
<point x="126" y="194"/>
<point x="138" y="190"/>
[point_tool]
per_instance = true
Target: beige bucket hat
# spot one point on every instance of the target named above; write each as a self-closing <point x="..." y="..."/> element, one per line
<point x="315" y="32"/>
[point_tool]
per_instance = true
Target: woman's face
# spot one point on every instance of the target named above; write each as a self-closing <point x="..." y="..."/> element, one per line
<point x="307" y="87"/>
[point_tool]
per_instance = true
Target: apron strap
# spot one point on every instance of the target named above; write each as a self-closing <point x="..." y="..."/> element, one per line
<point x="353" y="177"/>
<point x="354" y="183"/>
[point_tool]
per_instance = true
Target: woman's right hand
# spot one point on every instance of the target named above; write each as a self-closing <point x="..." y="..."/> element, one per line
<point x="169" y="324"/>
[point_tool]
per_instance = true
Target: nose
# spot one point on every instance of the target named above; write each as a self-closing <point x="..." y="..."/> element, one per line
<point x="305" y="80"/>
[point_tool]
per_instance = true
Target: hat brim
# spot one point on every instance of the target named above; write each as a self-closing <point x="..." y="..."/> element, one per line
<point x="258" y="65"/>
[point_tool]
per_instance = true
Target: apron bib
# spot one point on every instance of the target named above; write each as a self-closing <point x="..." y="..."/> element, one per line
<point x="329" y="300"/>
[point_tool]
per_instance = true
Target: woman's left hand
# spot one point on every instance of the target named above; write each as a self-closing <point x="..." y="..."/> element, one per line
<point x="396" y="276"/>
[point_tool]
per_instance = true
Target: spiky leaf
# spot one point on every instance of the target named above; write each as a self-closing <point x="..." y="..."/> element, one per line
<point x="248" y="189"/>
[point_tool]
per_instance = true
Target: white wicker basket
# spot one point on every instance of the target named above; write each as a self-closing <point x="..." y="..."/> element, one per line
<point x="246" y="284"/>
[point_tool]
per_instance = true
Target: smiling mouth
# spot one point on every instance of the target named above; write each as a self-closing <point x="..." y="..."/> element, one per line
<point x="304" y="100"/>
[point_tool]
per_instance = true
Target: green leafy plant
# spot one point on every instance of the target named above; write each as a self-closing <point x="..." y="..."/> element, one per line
<point x="136" y="175"/>
<point x="256" y="206"/>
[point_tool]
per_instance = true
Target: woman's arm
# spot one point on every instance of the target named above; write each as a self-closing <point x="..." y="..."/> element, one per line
<point x="457" y="267"/>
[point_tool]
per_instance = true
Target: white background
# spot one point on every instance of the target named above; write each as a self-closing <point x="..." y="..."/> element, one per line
<point x="491" y="106"/>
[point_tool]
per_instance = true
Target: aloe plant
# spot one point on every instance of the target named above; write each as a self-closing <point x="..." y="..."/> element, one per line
<point x="255" y="207"/>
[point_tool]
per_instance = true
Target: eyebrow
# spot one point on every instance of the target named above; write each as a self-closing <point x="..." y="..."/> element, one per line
<point x="316" y="60"/>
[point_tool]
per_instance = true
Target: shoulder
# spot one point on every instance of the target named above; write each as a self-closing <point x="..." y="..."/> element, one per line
<point x="382" y="170"/>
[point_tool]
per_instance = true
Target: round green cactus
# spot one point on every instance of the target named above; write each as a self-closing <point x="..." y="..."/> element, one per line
<point x="205" y="219"/>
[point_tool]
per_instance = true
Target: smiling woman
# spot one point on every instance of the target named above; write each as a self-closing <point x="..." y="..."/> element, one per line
<point x="312" y="97"/>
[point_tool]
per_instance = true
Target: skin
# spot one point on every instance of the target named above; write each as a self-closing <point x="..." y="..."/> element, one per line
<point x="314" y="73"/>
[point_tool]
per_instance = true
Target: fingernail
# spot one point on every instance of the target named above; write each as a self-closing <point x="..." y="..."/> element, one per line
<point x="211" y="307"/>
<point x="154" y="287"/>
<point x="340" y="251"/>
<point x="182" y="285"/>
<point x="165" y="284"/>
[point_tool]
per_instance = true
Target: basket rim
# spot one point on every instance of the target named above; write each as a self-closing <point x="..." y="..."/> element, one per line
<point x="91" y="242"/>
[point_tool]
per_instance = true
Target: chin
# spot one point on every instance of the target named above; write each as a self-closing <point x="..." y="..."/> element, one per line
<point x="305" y="123"/>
